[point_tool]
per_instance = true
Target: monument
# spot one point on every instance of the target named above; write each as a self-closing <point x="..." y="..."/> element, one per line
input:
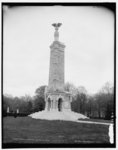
<point x="57" y="100"/>
<point x="55" y="97"/>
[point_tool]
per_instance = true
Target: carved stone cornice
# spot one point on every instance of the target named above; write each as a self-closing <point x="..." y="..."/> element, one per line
<point x="57" y="45"/>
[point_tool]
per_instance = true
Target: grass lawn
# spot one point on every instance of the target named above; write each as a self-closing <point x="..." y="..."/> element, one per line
<point x="97" y="120"/>
<point x="28" y="130"/>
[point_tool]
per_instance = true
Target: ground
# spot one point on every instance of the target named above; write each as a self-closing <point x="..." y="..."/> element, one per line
<point x="98" y="120"/>
<point x="29" y="130"/>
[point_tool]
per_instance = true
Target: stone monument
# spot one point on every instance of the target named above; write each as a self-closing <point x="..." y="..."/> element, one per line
<point x="57" y="100"/>
<point x="55" y="97"/>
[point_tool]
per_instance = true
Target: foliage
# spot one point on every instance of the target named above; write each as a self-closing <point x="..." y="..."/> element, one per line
<point x="23" y="104"/>
<point x="38" y="103"/>
<point x="79" y="104"/>
<point x="99" y="105"/>
<point x="41" y="91"/>
<point x="39" y="98"/>
<point x="69" y="87"/>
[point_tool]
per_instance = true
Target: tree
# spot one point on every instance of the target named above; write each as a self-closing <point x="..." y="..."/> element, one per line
<point x="69" y="87"/>
<point x="82" y="96"/>
<point x="5" y="105"/>
<point x="38" y="103"/>
<point x="41" y="91"/>
<point x="23" y="104"/>
<point x="39" y="99"/>
<point x="107" y="88"/>
<point x="104" y="100"/>
<point x="26" y="105"/>
<point x="108" y="92"/>
<point x="89" y="106"/>
<point x="7" y="102"/>
<point x="79" y="102"/>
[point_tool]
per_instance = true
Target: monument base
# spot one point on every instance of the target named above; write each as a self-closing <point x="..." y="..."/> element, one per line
<point x="56" y="115"/>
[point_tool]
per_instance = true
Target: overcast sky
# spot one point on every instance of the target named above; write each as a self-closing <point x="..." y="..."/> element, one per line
<point x="87" y="32"/>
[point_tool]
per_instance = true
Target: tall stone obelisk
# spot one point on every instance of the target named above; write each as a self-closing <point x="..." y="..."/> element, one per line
<point x="56" y="72"/>
<point x="55" y="96"/>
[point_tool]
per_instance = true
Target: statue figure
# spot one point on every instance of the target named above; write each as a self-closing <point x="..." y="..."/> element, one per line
<point x="56" y="34"/>
<point x="56" y="25"/>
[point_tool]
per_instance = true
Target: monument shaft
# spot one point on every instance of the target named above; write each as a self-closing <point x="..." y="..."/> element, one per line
<point x="56" y="72"/>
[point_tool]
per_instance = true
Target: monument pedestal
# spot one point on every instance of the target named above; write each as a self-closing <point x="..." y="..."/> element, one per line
<point x="58" y="101"/>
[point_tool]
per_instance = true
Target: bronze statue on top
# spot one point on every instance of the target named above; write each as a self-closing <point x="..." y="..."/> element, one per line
<point x="56" y="25"/>
<point x="56" y="33"/>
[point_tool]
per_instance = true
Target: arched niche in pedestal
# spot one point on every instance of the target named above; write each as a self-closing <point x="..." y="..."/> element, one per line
<point x="49" y="104"/>
<point x="60" y="101"/>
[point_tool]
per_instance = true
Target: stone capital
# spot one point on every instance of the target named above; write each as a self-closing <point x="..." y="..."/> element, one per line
<point x="57" y="45"/>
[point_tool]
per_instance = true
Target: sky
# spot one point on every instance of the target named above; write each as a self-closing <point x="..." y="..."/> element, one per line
<point x="87" y="32"/>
